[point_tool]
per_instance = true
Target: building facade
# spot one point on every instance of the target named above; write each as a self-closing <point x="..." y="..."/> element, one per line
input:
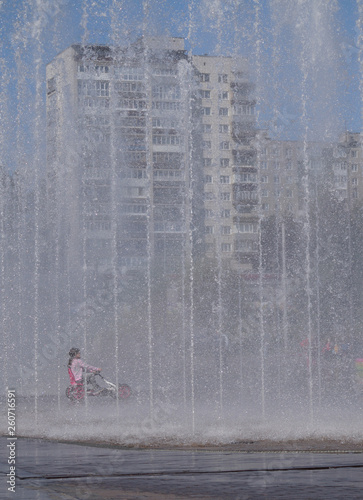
<point x="150" y="155"/>
<point x="229" y="160"/>
<point x="122" y="152"/>
<point x="153" y="154"/>
<point x="343" y="165"/>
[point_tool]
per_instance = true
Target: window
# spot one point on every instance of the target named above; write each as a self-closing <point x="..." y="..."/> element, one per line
<point x="162" y="158"/>
<point x="354" y="153"/>
<point x="225" y="229"/>
<point x="289" y="165"/>
<point x="132" y="173"/>
<point x="224" y="179"/>
<point x="209" y="196"/>
<point x="265" y="206"/>
<point x="208" y="212"/>
<point x="162" y="123"/>
<point x="135" y="191"/>
<point x="207" y="144"/>
<point x="246" y="227"/>
<point x="225" y="213"/>
<point x="206" y="111"/>
<point x="263" y="165"/>
<point x="340" y="180"/>
<point x="245" y="177"/>
<point x="288" y="193"/>
<point x="207" y="129"/>
<point x="223" y="95"/>
<point x="208" y="179"/>
<point x="207" y="162"/>
<point x="224" y="162"/>
<point x="246" y="195"/>
<point x="86" y="68"/>
<point x="205" y="94"/>
<point x="277" y="179"/>
<point x="223" y="111"/>
<point x="51" y="85"/>
<point x="204" y="77"/>
<point x="169" y="92"/>
<point x="226" y="247"/>
<point x="288" y="153"/>
<point x="102" y="89"/>
<point x="166" y="174"/>
<point x="223" y="129"/>
<point x="173" y="140"/>
<point x="166" y="105"/>
<point x="275" y="165"/>
<point x="94" y="88"/>
<point x="167" y="226"/>
<point x="245" y="245"/>
<point x="164" y="71"/>
<point x="244" y="110"/>
<point x="354" y="167"/>
<point x="341" y="166"/>
<point x="264" y="193"/>
<point x="97" y="223"/>
<point x="355" y="181"/>
<point x="209" y="229"/>
<point x="83" y="68"/>
<point x="264" y="179"/>
<point x="129" y="73"/>
<point x="101" y="69"/>
<point x="224" y="145"/>
<point x="134" y="209"/>
<point x="222" y="78"/>
<point x="131" y="104"/>
<point x="225" y="196"/>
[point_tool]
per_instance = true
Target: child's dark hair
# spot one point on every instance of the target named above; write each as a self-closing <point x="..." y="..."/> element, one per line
<point x="72" y="354"/>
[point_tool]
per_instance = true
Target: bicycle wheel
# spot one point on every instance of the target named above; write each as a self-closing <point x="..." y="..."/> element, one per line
<point x="124" y="391"/>
<point x="78" y="392"/>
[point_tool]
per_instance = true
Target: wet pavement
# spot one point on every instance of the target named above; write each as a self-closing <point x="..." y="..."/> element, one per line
<point x="49" y="470"/>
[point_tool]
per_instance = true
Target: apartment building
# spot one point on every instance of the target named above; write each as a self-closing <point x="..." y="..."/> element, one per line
<point x="279" y="176"/>
<point x="134" y="137"/>
<point x="289" y="172"/>
<point x="122" y="145"/>
<point x="229" y="160"/>
<point x="343" y="166"/>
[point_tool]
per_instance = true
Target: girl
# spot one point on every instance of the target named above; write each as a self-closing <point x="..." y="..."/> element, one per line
<point x="76" y="367"/>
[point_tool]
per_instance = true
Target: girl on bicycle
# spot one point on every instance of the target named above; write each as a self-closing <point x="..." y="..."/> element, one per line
<point x="76" y="367"/>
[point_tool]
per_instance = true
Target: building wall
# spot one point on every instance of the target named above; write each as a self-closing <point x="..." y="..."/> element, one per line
<point x="121" y="134"/>
<point x="229" y="161"/>
<point x="149" y="152"/>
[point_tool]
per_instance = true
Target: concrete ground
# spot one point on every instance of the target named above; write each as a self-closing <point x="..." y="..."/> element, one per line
<point x="50" y="470"/>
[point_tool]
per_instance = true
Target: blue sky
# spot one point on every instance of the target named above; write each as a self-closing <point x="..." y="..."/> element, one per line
<point x="300" y="52"/>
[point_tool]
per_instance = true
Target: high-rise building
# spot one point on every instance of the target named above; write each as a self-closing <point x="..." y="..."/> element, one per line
<point x="343" y="171"/>
<point x="123" y="153"/>
<point x="229" y="160"/>
<point x="287" y="169"/>
<point x="149" y="154"/>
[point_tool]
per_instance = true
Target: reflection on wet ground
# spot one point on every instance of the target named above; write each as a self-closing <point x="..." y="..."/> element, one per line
<point x="52" y="470"/>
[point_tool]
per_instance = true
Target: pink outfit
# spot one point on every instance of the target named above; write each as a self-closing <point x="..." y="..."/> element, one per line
<point x="78" y="367"/>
